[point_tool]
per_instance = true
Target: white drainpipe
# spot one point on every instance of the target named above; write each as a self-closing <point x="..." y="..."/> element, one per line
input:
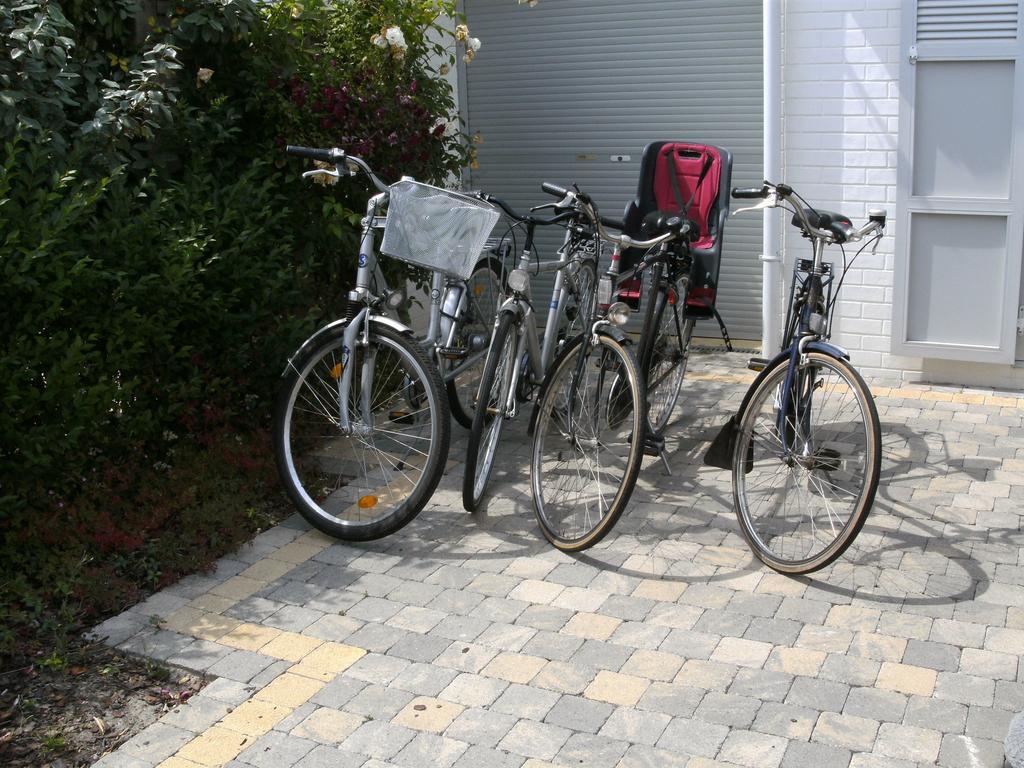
<point x="771" y="251"/>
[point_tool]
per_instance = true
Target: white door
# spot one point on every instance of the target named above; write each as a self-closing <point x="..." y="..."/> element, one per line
<point x="961" y="138"/>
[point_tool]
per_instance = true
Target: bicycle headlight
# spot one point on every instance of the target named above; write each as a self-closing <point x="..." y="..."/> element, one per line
<point x="519" y="280"/>
<point x="396" y="299"/>
<point x="618" y="313"/>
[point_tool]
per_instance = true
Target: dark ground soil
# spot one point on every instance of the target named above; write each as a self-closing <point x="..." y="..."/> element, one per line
<point x="68" y="711"/>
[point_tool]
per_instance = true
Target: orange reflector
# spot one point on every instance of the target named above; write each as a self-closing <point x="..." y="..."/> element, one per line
<point x="478" y="290"/>
<point x="336" y="371"/>
<point x="367" y="502"/>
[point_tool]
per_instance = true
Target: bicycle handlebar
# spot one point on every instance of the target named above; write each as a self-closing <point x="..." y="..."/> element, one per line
<point x="774" y="193"/>
<point x="339" y="158"/>
<point x="312" y="153"/>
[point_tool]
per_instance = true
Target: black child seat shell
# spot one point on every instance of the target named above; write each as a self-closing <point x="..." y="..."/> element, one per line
<point x="678" y="175"/>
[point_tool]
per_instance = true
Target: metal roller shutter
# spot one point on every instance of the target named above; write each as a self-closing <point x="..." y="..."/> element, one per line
<point x="559" y="89"/>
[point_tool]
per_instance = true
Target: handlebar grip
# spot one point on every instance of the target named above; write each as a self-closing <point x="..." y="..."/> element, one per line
<point x="553" y="189"/>
<point x="324" y="155"/>
<point x="747" y="194"/>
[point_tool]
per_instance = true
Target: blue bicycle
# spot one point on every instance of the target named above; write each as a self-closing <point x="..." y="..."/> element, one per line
<point x="805" y="447"/>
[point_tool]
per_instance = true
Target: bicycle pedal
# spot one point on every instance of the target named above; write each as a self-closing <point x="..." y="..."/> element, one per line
<point x="757" y="363"/>
<point x="453" y="353"/>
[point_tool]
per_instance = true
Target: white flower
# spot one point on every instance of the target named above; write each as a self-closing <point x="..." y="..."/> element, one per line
<point x="379" y="41"/>
<point x="473" y="44"/>
<point x="203" y="76"/>
<point x="461" y="32"/>
<point x="530" y="3"/>
<point x="395" y="37"/>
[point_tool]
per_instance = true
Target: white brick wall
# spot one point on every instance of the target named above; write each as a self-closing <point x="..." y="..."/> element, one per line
<point x="841" y="61"/>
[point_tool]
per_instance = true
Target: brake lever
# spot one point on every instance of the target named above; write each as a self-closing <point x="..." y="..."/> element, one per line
<point x="322" y="172"/>
<point x="543" y="207"/>
<point x="770" y="201"/>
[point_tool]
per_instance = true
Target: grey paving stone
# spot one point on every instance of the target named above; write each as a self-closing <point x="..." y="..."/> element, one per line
<point x="851" y="670"/>
<point x="377" y="668"/>
<point x="800" y="754"/>
<point x="465" y="657"/>
<point x="276" y="749"/>
<point x="987" y="723"/>
<point x="376" y="637"/>
<point x="481" y="726"/>
<point x="823" y="695"/>
<point x="430" y="749"/>
<point x="966" y="689"/>
<point x="253" y="609"/>
<point x="323" y="756"/>
<point x="197" y="714"/>
<point x="636" y="634"/>
<point x="524" y="701"/>
<point x="333" y="627"/>
<point x="473" y="690"/>
<point x="532" y="739"/>
<point x="785" y="720"/>
<point x="338" y="692"/>
<point x="589" y="749"/>
<point x="671" y="699"/>
<point x="466" y="628"/>
<point x="762" y="684"/>
<point x="635" y="726"/>
<point x="693" y="737"/>
<point x="753" y="749"/>
<point x="597" y="654"/>
<point x="378" y="739"/>
<point x="156" y="743"/>
<point x="374" y="609"/>
<point x="121" y="760"/>
<point x="938" y="656"/>
<point x="644" y="756"/>
<point x="272" y="672"/>
<point x="552" y="645"/>
<point x="421" y="648"/>
<point x="876" y="704"/>
<point x="626" y="607"/>
<point x="544" y="617"/>
<point x="775" y="631"/>
<point x="937" y="714"/>
<point x="199" y="655"/>
<point x="242" y="666"/>
<point x="723" y="623"/>
<point x="727" y="709"/>
<point x="958" y="751"/>
<point x="579" y="714"/>
<point x="690" y="644"/>
<point x="484" y="757"/>
<point x="424" y="679"/>
<point x="378" y="702"/>
<point x="229" y="691"/>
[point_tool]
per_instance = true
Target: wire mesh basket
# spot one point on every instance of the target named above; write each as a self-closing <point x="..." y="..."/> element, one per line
<point x="436" y="228"/>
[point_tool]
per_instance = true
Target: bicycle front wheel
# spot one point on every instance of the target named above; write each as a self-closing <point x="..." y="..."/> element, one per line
<point x="804" y="476"/>
<point x="483" y="298"/>
<point x="373" y="479"/>
<point x="588" y="442"/>
<point x="666" y="363"/>
<point x="488" y="418"/>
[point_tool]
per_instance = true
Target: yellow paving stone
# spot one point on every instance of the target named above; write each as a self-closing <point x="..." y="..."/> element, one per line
<point x="297" y="552"/>
<point x="1010" y="402"/>
<point x="939" y="396"/>
<point x="795" y="661"/>
<point x="591" y="626"/>
<point x="291" y="646"/>
<point x="656" y="589"/>
<point x="880" y="391"/>
<point x="427" y="714"/>
<point x="215" y="746"/>
<point x="196" y="623"/>
<point x="328" y="726"/>
<point x="239" y="587"/>
<point x="254" y="718"/>
<point x="742" y="652"/>
<point x="723" y="555"/>
<point x="249" y="637"/>
<point x="328" y="660"/>
<point x="212" y="603"/>
<point x="970" y="398"/>
<point x="906" y="394"/>
<point x="289" y="690"/>
<point x="654" y="665"/>
<point x="267" y="570"/>
<point x="514" y="667"/>
<point x="906" y="678"/>
<point x="616" y="688"/>
<point x="178" y="762"/>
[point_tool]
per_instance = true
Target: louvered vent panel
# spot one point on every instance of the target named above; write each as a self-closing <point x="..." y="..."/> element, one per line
<point x="957" y="20"/>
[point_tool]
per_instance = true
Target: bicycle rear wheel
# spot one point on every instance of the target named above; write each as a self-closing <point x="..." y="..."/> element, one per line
<point x="800" y="509"/>
<point x="484" y="288"/>
<point x="666" y="363"/>
<point x="488" y="417"/>
<point x="588" y="442"/>
<point x="372" y="481"/>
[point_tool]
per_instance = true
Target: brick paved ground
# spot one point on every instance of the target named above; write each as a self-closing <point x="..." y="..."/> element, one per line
<point x="466" y="641"/>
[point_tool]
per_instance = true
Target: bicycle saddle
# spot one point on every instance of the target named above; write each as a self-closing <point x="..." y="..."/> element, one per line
<point x="657" y="223"/>
<point x="840" y="226"/>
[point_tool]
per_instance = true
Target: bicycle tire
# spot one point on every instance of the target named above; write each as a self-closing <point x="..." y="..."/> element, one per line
<point x="478" y="318"/>
<point x="486" y="429"/>
<point x="307" y="454"/>
<point x="667" y="356"/>
<point x="834" y="456"/>
<point x="566" y="520"/>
